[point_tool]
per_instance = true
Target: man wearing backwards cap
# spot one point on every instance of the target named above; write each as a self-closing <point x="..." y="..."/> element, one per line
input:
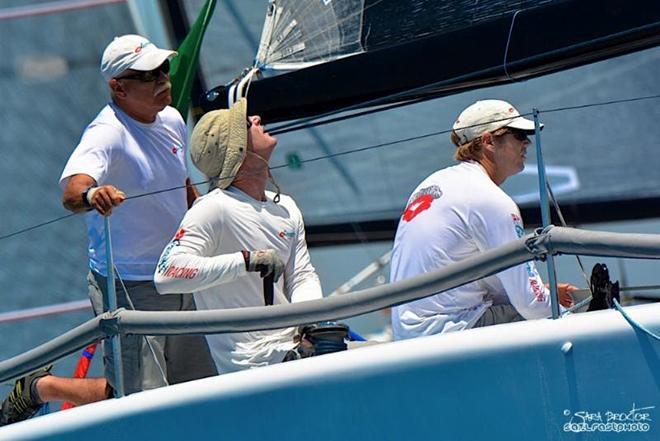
<point x="135" y="145"/>
<point x="237" y="234"/>
<point x="461" y="211"/>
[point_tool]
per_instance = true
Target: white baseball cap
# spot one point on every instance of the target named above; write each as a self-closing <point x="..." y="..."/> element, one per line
<point x="488" y="116"/>
<point x="132" y="52"/>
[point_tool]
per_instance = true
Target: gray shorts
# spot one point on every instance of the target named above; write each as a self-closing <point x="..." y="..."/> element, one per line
<point x="182" y="358"/>
<point x="496" y="314"/>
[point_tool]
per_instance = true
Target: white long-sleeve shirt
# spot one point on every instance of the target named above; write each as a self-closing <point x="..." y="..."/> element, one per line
<point x="456" y="213"/>
<point x="205" y="258"/>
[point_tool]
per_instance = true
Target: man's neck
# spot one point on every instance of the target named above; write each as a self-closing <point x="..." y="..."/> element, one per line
<point x="252" y="177"/>
<point x="138" y="114"/>
<point x="491" y="171"/>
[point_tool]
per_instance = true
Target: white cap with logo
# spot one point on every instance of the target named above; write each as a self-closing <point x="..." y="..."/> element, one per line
<point x="488" y="116"/>
<point x="132" y="52"/>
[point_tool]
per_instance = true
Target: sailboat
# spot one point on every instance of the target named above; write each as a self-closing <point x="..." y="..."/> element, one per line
<point x="543" y="379"/>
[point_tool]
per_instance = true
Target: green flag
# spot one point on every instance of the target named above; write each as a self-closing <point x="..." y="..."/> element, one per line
<point x="184" y="66"/>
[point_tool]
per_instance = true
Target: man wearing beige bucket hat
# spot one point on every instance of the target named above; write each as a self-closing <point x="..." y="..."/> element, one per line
<point x="461" y="211"/>
<point x="135" y="145"/>
<point x="235" y="235"/>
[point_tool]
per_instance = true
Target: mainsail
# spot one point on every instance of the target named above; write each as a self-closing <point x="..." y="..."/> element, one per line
<point x="347" y="54"/>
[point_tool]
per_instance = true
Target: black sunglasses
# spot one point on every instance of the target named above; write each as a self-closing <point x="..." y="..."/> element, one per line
<point x="519" y="135"/>
<point x="149" y="75"/>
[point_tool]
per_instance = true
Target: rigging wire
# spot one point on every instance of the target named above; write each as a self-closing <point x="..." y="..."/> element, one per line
<point x="277" y="131"/>
<point x="34" y="227"/>
<point x="344" y="153"/>
<point x="602" y="103"/>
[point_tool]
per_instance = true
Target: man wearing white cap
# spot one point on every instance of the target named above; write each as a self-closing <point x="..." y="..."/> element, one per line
<point x="237" y="234"/>
<point x="134" y="146"/>
<point x="461" y="211"/>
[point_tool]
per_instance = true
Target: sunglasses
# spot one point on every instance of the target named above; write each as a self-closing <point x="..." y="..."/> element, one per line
<point x="149" y="75"/>
<point x="519" y="135"/>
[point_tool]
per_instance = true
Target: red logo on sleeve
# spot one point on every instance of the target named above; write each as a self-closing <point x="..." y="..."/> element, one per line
<point x="420" y="204"/>
<point x="421" y="201"/>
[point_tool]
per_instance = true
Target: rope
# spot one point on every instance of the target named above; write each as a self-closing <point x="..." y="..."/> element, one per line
<point x="577" y="306"/>
<point x="146" y="340"/>
<point x="563" y="223"/>
<point x="633" y="322"/>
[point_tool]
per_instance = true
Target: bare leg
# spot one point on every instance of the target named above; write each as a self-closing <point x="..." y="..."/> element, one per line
<point x="78" y="391"/>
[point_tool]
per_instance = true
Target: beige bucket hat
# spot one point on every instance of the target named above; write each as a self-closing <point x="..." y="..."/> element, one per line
<point x="219" y="143"/>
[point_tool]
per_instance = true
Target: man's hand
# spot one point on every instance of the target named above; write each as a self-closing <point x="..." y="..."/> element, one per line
<point x="564" y="292"/>
<point x="81" y="194"/>
<point x="104" y="199"/>
<point x="264" y="262"/>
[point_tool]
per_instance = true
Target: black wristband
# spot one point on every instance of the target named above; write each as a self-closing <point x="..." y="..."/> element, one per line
<point x="85" y="202"/>
<point x="246" y="257"/>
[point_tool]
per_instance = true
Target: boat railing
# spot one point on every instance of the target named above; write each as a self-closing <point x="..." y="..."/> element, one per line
<point x="536" y="246"/>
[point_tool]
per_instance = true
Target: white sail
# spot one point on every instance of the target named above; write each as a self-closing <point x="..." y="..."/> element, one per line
<point x="301" y="33"/>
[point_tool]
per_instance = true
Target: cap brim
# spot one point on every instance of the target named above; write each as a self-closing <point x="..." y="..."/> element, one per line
<point x="152" y="60"/>
<point x="525" y="124"/>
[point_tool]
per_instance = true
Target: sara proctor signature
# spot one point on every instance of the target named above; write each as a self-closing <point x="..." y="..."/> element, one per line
<point x="637" y="419"/>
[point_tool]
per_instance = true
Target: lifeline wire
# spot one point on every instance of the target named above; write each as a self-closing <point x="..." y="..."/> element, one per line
<point x="347" y="152"/>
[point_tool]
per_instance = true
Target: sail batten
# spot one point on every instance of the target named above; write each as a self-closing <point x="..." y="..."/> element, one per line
<point x="309" y="32"/>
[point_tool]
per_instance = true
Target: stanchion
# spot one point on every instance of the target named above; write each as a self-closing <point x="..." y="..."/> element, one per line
<point x="111" y="301"/>
<point x="545" y="215"/>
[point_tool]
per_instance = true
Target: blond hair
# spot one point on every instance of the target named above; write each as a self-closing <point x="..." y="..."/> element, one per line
<point x="471" y="150"/>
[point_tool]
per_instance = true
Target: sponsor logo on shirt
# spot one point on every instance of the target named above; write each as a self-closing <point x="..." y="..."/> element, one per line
<point x="181" y="272"/>
<point x="176" y="148"/>
<point x="537" y="289"/>
<point x="286" y="234"/>
<point x="421" y="201"/>
<point x="176" y="272"/>
<point x="518" y="225"/>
